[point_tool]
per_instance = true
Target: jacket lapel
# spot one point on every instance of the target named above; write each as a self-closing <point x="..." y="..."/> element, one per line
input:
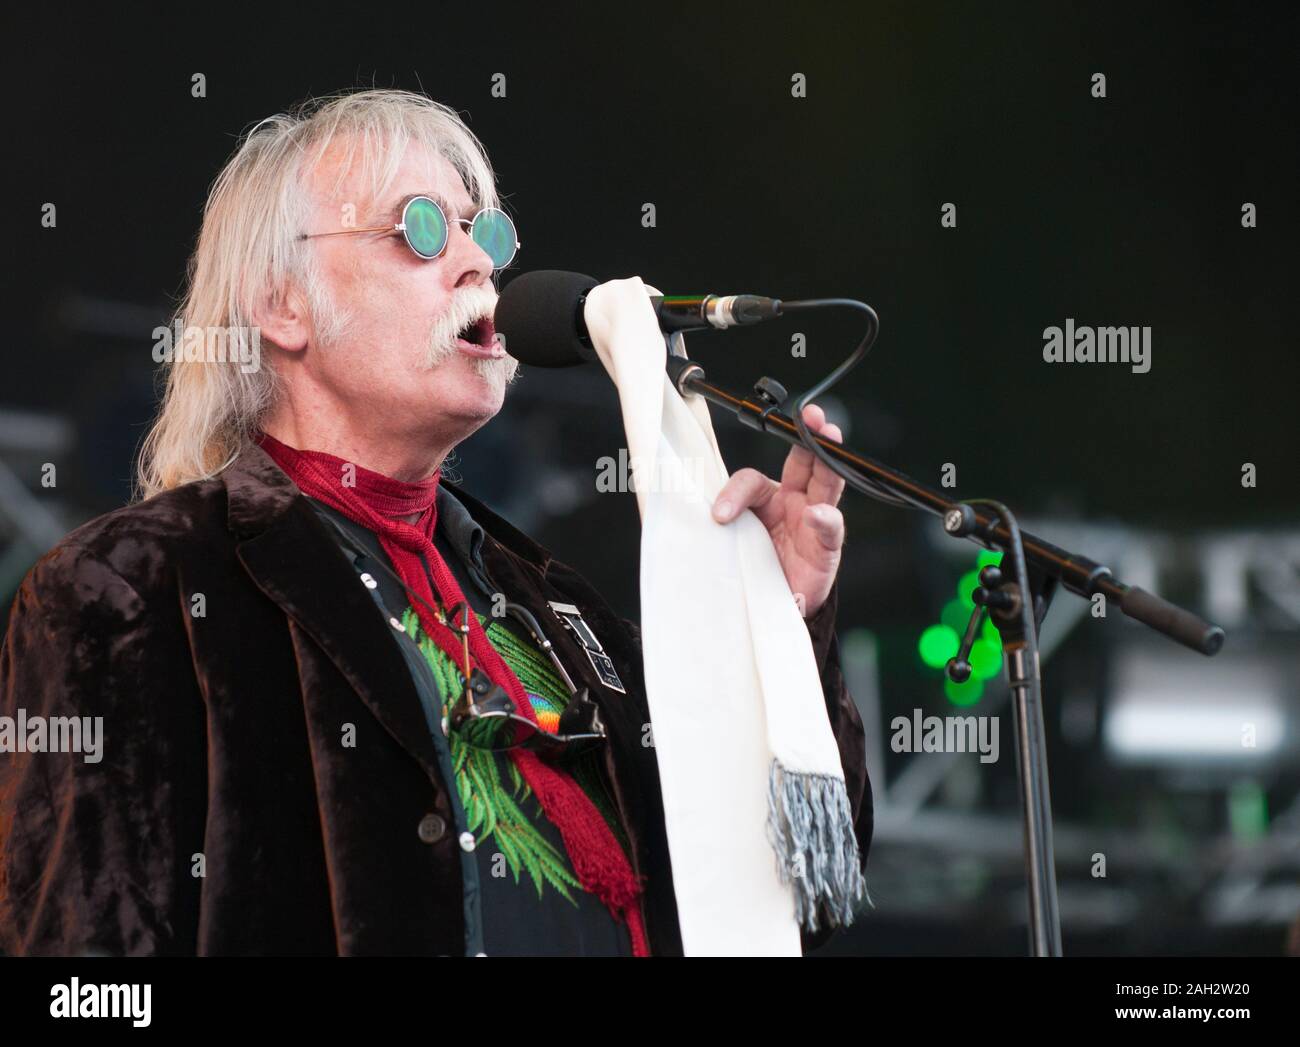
<point x="296" y="563"/>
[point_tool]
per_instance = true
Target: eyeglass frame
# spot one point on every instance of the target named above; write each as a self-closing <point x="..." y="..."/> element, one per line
<point x="401" y="227"/>
<point x="495" y="704"/>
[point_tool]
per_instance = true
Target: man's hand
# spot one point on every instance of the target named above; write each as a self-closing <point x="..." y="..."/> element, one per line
<point x="799" y="513"/>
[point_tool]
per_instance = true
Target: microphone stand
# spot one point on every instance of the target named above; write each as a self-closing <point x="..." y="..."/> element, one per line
<point x="1015" y="594"/>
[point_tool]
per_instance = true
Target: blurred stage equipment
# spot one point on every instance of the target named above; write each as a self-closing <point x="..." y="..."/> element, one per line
<point x="30" y="525"/>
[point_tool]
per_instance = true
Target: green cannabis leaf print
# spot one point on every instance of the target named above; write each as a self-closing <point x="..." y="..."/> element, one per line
<point x="498" y="803"/>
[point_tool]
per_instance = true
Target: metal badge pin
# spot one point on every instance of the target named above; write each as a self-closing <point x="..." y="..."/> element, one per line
<point x="571" y="618"/>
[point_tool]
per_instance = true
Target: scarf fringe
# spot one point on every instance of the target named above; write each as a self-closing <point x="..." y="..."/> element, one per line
<point x="810" y="826"/>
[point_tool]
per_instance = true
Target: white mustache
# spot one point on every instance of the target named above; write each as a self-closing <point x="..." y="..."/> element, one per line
<point x="467" y="307"/>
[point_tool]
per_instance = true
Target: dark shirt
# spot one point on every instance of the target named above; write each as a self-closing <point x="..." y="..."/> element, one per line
<point x="521" y="896"/>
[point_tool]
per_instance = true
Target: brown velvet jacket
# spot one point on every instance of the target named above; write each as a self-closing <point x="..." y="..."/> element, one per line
<point x="222" y="739"/>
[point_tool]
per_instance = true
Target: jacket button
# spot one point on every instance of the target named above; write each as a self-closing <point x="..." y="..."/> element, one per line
<point x="431" y="828"/>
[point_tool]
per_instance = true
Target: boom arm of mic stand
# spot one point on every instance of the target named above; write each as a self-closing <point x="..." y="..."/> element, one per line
<point x="1076" y="573"/>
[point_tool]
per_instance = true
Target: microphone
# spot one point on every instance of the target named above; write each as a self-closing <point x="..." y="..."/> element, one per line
<point x="540" y="315"/>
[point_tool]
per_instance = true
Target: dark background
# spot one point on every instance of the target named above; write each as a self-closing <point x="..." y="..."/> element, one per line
<point x="1117" y="211"/>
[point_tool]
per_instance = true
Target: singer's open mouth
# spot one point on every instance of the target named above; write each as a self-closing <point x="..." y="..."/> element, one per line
<point x="479" y="339"/>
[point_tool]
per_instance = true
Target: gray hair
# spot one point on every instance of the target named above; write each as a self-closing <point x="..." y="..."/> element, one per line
<point x="249" y="252"/>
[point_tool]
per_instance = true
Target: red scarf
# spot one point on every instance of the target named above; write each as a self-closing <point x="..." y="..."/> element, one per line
<point x="378" y="503"/>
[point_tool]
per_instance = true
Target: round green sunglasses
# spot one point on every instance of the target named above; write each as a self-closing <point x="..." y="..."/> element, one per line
<point x="426" y="229"/>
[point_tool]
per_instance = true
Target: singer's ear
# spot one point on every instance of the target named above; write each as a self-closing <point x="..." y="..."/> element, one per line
<point x="283" y="320"/>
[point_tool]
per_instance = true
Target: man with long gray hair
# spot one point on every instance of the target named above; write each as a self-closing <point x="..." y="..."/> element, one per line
<point x="348" y="709"/>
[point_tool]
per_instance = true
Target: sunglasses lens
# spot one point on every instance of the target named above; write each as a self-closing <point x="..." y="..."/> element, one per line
<point x="426" y="228"/>
<point x="495" y="233"/>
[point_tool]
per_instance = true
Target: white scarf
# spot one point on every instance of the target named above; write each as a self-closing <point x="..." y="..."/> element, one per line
<point x="747" y="760"/>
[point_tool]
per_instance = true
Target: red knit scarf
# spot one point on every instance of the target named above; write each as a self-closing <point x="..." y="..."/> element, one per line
<point x="379" y="503"/>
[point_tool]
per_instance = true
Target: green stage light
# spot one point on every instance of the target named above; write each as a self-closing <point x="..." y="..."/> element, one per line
<point x="967" y="693"/>
<point x="968" y="584"/>
<point x="1248" y="810"/>
<point x="938" y="643"/>
<point x="985" y="659"/>
<point x="955" y="616"/>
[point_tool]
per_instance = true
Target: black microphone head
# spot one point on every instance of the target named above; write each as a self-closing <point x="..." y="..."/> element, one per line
<point x="539" y="315"/>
